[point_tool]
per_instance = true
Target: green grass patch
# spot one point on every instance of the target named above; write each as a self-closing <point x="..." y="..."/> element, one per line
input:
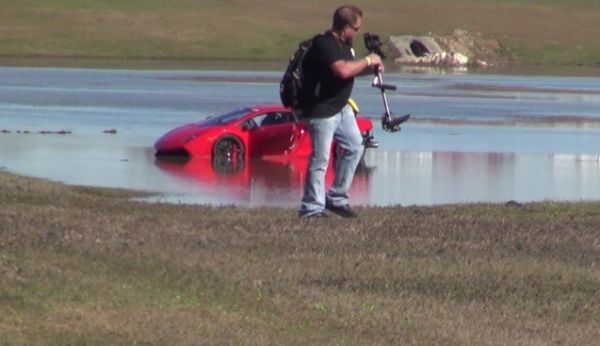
<point x="270" y="30"/>
<point x="549" y="3"/>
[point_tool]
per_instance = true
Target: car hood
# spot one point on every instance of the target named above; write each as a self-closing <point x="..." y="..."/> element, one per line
<point x="177" y="138"/>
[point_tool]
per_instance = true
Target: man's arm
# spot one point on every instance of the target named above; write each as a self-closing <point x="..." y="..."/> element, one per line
<point x="345" y="69"/>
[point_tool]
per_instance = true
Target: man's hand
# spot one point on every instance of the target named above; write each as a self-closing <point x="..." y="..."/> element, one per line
<point x="375" y="62"/>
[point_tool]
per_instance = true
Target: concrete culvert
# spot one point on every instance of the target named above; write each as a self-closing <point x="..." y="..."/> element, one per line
<point x="461" y="48"/>
<point x="413" y="46"/>
<point x="418" y="49"/>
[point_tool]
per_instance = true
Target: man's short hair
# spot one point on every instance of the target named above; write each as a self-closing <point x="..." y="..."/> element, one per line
<point x="346" y="15"/>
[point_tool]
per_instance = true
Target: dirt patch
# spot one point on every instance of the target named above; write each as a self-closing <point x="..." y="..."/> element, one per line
<point x="461" y="48"/>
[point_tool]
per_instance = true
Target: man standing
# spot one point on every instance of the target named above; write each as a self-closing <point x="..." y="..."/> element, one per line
<point x="329" y="71"/>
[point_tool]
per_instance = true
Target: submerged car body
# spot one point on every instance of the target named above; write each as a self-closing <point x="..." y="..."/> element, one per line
<point x="257" y="131"/>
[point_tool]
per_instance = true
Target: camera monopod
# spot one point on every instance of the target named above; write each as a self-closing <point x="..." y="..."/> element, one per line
<point x="389" y="121"/>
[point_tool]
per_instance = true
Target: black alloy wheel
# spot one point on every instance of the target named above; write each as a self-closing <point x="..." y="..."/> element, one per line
<point x="228" y="149"/>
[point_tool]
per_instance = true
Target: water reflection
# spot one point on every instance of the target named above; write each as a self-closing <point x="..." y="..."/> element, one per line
<point x="457" y="177"/>
<point x="275" y="181"/>
<point x="394" y="177"/>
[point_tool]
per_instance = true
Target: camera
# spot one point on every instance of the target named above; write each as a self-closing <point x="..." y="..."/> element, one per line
<point x="373" y="44"/>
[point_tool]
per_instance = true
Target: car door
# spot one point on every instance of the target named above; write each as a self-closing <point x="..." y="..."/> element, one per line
<point x="275" y="133"/>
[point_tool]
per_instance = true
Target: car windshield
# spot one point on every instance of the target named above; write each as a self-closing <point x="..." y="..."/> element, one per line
<point x="224" y="118"/>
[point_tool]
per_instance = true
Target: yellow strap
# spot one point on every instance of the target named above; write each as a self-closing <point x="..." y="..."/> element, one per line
<point x="354" y="105"/>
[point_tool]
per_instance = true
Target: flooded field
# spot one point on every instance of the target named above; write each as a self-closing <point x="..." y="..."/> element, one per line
<point x="471" y="138"/>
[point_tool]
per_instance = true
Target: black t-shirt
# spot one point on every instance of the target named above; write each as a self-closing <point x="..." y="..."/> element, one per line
<point x="326" y="94"/>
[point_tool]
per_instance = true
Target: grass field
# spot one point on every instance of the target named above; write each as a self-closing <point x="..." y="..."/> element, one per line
<point x="87" y="266"/>
<point x="539" y="32"/>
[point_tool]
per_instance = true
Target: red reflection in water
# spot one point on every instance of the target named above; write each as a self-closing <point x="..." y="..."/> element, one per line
<point x="277" y="178"/>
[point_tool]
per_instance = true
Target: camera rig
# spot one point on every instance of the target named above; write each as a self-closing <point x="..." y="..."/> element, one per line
<point x="389" y="121"/>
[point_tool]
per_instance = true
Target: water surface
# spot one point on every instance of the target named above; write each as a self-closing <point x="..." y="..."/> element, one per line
<point x="472" y="138"/>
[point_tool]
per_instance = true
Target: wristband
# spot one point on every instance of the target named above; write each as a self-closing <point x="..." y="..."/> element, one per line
<point x="368" y="61"/>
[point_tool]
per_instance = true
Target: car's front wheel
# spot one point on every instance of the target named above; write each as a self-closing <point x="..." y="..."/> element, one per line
<point x="228" y="148"/>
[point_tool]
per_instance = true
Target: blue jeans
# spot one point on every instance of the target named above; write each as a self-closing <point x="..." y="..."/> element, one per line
<point x="343" y="127"/>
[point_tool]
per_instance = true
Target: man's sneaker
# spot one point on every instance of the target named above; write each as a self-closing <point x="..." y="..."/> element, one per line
<point x="319" y="215"/>
<point x="342" y="210"/>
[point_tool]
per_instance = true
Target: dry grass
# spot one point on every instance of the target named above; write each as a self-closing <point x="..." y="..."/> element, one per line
<point x="89" y="266"/>
<point x="547" y="32"/>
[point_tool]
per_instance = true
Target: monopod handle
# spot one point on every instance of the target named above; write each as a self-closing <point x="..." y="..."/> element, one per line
<point x="378" y="83"/>
<point x="385" y="86"/>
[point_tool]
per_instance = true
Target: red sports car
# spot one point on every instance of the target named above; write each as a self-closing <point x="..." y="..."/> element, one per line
<point x="262" y="130"/>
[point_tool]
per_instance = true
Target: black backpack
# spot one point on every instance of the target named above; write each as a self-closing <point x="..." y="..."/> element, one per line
<point x="290" y="88"/>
